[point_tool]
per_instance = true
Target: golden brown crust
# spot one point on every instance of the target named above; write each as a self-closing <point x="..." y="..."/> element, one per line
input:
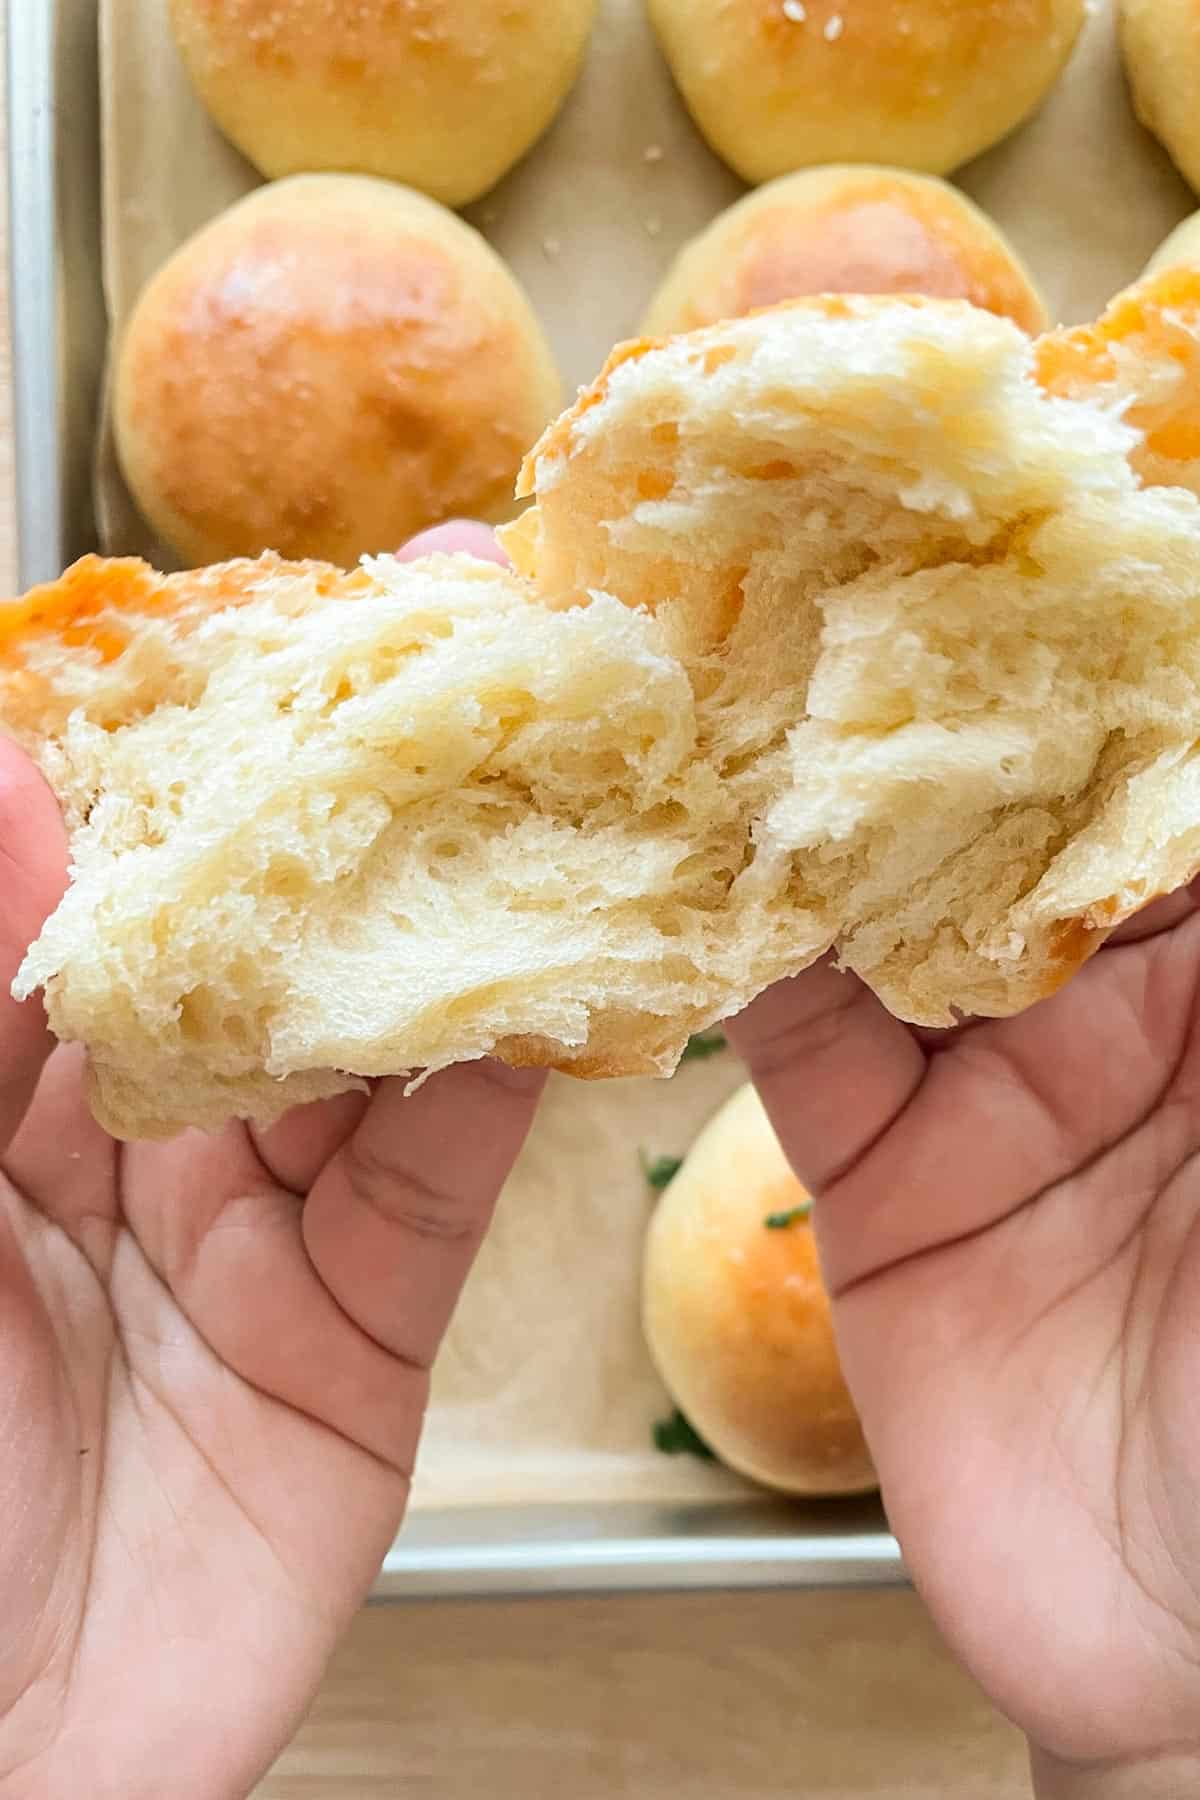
<point x="99" y="602"/>
<point x="925" y="85"/>
<point x="738" y="1318"/>
<point x="1154" y="315"/>
<point x="443" y="94"/>
<point x="845" y="230"/>
<point x="610" y="1064"/>
<point x="328" y="368"/>
<point x="1160" y="41"/>
<point x="72" y="607"/>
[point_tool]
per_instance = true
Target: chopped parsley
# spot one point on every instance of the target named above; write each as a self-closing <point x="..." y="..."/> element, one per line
<point x="781" y="1221"/>
<point x="674" y="1436"/>
<point x="703" y="1045"/>
<point x="662" y="1171"/>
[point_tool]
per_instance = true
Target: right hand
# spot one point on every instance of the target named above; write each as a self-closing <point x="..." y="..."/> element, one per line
<point x="1009" y="1221"/>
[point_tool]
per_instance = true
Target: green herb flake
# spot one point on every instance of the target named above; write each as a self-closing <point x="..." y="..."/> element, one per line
<point x="703" y="1045"/>
<point x="660" y="1172"/>
<point x="674" y="1436"/>
<point x="782" y="1221"/>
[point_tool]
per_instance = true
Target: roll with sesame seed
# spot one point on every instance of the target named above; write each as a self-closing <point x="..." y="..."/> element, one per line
<point x="444" y="95"/>
<point x="845" y="230"/>
<point x="737" y="1318"/>
<point x="777" y="85"/>
<point x="328" y="367"/>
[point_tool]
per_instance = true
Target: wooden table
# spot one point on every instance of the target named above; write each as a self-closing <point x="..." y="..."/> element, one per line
<point x="689" y="1697"/>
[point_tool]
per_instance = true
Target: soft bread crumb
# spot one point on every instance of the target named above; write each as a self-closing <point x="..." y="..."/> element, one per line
<point x="854" y="625"/>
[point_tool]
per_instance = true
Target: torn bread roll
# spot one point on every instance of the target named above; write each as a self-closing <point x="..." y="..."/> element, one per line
<point x="852" y="229"/>
<point x="854" y="625"/>
<point x="736" y="1316"/>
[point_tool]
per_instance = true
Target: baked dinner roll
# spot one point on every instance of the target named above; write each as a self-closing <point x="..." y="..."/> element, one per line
<point x="445" y="95"/>
<point x="327" y="368"/>
<point x="1180" y="250"/>
<point x="847" y="230"/>
<point x="737" y="1318"/>
<point x="863" y="624"/>
<point x="1160" y="40"/>
<point x="777" y="85"/>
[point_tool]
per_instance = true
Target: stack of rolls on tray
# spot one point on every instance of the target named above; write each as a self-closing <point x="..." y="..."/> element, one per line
<point x="864" y="625"/>
<point x="737" y="1318"/>
<point x="339" y="362"/>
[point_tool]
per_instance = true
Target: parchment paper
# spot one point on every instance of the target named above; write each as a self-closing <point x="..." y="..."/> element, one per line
<point x="544" y="1390"/>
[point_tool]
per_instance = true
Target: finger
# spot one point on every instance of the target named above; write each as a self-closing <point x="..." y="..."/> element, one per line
<point x="1018" y="1104"/>
<point x="59" y="1157"/>
<point x="33" y="874"/>
<point x="832" y="1065"/>
<point x="296" y="1149"/>
<point x="459" y="537"/>
<point x="393" y="1224"/>
<point x="228" y="1243"/>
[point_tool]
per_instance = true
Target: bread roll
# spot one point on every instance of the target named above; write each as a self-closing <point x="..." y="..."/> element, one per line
<point x="445" y="95"/>
<point x="777" y="85"/>
<point x="327" y="368"/>
<point x="847" y="230"/>
<point x="1160" y="40"/>
<point x="858" y="624"/>
<point x="1180" y="250"/>
<point x="737" y="1318"/>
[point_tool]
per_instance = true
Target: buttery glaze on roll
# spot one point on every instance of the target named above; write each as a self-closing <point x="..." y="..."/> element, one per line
<point x="846" y="230"/>
<point x="737" y="1318"/>
<point x="776" y="85"/>
<point x="324" y="370"/>
<point x="445" y="96"/>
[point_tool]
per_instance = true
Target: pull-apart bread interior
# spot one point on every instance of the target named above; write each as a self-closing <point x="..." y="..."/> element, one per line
<point x="863" y="624"/>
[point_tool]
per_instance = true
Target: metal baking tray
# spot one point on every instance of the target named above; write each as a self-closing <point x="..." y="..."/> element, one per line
<point x="59" y="330"/>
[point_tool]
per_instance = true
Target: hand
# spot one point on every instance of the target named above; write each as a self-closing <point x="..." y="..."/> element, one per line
<point x="214" y="1359"/>
<point x="1009" y="1222"/>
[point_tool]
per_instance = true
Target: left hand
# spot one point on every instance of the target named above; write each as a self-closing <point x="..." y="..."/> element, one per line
<point x="214" y="1362"/>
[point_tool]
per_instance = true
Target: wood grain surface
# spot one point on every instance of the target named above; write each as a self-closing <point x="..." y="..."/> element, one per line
<point x="756" y="1696"/>
<point x="752" y="1696"/>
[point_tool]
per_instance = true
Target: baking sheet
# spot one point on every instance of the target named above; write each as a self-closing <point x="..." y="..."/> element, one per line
<point x="544" y="1393"/>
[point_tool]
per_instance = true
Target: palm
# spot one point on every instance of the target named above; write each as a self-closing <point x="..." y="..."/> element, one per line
<point x="214" y="1357"/>
<point x="1010" y="1225"/>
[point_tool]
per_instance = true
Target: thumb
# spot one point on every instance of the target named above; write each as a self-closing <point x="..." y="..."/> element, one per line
<point x="33" y="874"/>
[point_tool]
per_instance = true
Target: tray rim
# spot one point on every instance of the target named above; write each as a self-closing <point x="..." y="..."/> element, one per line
<point x="57" y="315"/>
<point x="57" y="324"/>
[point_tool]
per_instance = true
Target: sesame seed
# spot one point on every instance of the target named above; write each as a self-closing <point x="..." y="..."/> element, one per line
<point x="653" y="225"/>
<point x="795" y="10"/>
<point x="834" y="28"/>
<point x="550" y="248"/>
<point x="652" y="153"/>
